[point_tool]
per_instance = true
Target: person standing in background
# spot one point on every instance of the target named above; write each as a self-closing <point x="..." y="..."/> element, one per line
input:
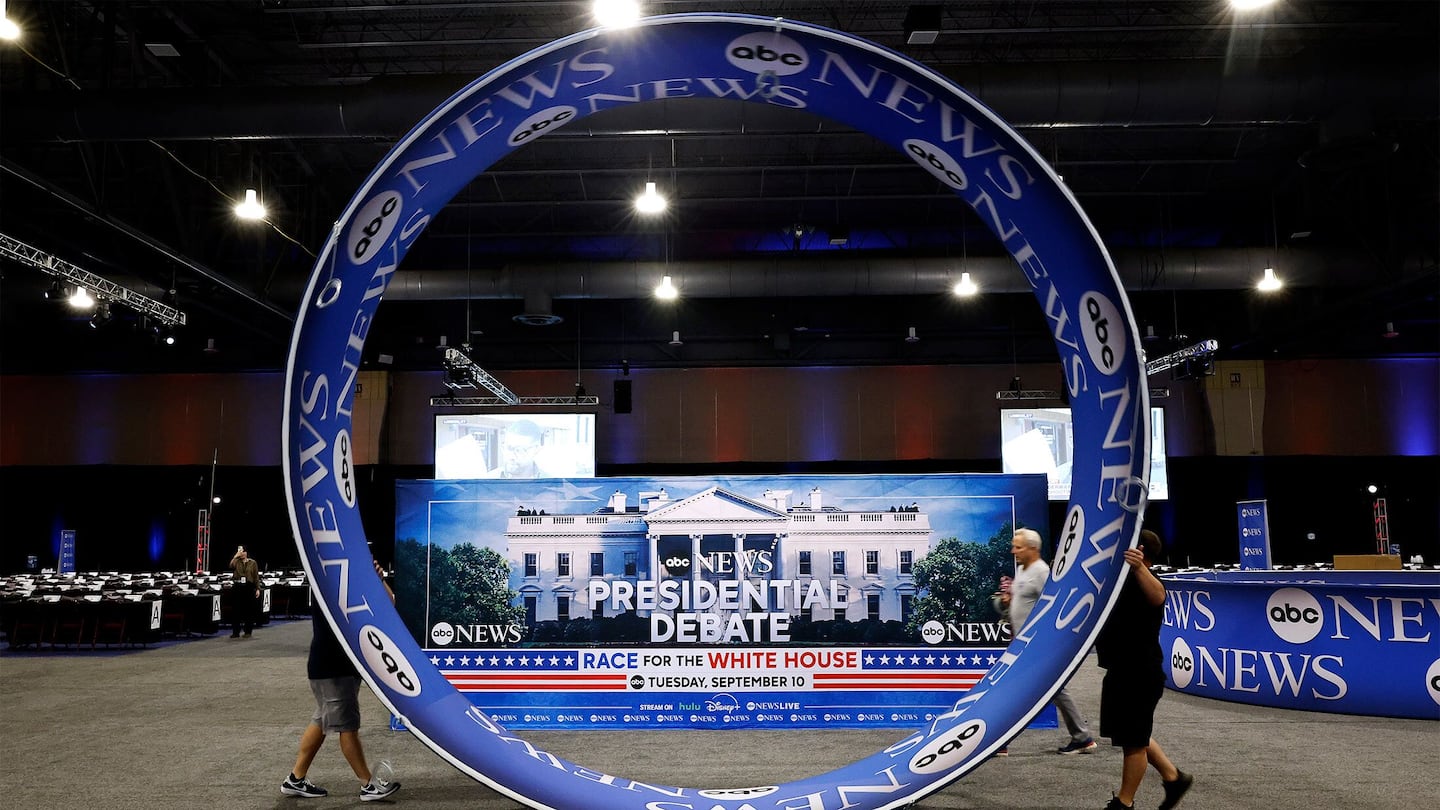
<point x="1129" y="651"/>
<point x="1016" y="602"/>
<point x="244" y="592"/>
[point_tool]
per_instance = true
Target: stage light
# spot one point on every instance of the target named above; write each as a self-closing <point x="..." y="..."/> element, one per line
<point x="80" y="299"/>
<point x="966" y="287"/>
<point x="666" y="290"/>
<point x="1269" y="282"/>
<point x="101" y="317"/>
<point x="251" y="209"/>
<point x="1372" y="489"/>
<point x="912" y="337"/>
<point x="616" y="13"/>
<point x="675" y="339"/>
<point x="168" y="337"/>
<point x="1250" y="5"/>
<point x="55" y="293"/>
<point x="651" y="202"/>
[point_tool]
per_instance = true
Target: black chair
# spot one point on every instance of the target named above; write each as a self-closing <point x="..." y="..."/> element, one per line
<point x="67" y="622"/>
<point x="27" y="625"/>
<point x="111" y="624"/>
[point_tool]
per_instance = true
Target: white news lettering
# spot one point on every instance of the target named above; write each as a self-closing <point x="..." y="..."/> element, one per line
<point x="1237" y="670"/>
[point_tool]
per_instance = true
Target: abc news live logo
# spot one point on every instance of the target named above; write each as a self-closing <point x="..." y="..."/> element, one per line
<point x="443" y="634"/>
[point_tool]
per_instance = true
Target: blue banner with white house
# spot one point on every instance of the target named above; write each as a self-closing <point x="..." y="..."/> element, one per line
<point x="718" y="602"/>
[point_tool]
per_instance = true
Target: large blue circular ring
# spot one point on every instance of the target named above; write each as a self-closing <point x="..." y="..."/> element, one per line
<point x="923" y="115"/>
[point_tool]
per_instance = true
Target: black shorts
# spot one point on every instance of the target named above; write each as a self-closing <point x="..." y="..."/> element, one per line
<point x="1127" y="706"/>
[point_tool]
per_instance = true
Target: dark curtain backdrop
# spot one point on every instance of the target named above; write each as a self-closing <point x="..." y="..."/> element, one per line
<point x="143" y="518"/>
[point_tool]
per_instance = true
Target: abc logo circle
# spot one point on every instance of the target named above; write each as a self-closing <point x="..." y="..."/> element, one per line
<point x="1182" y="663"/>
<point x="932" y="632"/>
<point x="767" y="52"/>
<point x="738" y="793"/>
<point x="636" y="681"/>
<point x="1432" y="681"/>
<point x="442" y="634"/>
<point x="950" y="748"/>
<point x="1069" y="544"/>
<point x="1104" y="332"/>
<point x="1294" y="615"/>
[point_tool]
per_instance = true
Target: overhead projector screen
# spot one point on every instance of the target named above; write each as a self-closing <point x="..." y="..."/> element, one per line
<point x="1040" y="440"/>
<point x="534" y="445"/>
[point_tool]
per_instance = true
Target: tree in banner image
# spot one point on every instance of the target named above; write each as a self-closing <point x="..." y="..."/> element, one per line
<point x="468" y="585"/>
<point x="957" y="577"/>
<point x="478" y="589"/>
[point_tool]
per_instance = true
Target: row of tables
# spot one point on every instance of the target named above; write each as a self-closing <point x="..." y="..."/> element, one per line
<point x="112" y="608"/>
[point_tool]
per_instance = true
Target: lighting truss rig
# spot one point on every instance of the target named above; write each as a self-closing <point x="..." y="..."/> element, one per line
<point x="102" y="289"/>
<point x="461" y="373"/>
<point x="1199" y="351"/>
<point x="491" y="402"/>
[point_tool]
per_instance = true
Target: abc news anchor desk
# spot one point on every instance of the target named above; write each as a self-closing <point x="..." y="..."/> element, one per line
<point x="1350" y="642"/>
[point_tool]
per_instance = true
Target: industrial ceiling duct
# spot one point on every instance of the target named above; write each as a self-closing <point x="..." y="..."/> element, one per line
<point x="537" y="310"/>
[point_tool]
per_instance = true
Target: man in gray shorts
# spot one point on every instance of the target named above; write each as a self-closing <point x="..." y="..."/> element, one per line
<point x="336" y="686"/>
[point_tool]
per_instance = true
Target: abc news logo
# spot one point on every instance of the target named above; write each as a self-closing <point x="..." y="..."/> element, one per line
<point x="443" y="634"/>
<point x="1294" y="615"/>
<point x="767" y="52"/>
<point x="1182" y="663"/>
<point x="676" y="564"/>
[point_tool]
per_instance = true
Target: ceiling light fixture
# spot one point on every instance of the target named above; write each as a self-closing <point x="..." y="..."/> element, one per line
<point x="666" y="290"/>
<point x="675" y="339"/>
<point x="1389" y="330"/>
<point x="616" y="13"/>
<point x="912" y="337"/>
<point x="1250" y="5"/>
<point x="251" y="209"/>
<point x="9" y="29"/>
<point x="1269" y="282"/>
<point x="966" y="287"/>
<point x="651" y="202"/>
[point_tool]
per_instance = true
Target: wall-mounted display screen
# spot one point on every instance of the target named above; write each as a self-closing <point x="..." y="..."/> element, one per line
<point x="1040" y="440"/>
<point x="533" y="445"/>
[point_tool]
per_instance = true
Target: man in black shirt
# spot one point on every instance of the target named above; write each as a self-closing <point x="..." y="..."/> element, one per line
<point x="336" y="685"/>
<point x="1129" y="651"/>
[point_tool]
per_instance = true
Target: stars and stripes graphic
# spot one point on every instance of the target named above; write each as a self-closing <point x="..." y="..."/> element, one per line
<point x="900" y="669"/>
<point x="522" y="671"/>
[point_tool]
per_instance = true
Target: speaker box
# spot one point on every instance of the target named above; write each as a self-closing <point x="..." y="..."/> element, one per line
<point x="622" y="396"/>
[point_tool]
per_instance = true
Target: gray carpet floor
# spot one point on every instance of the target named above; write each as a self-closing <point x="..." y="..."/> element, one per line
<point x="214" y="723"/>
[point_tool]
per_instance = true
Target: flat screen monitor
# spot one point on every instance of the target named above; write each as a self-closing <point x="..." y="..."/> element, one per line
<point x="534" y="445"/>
<point x="1040" y="440"/>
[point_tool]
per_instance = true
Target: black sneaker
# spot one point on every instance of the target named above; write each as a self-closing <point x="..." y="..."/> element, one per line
<point x="1175" y="791"/>
<point x="302" y="788"/>
<point x="1082" y="747"/>
<point x="373" y="792"/>
<point x="1116" y="804"/>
